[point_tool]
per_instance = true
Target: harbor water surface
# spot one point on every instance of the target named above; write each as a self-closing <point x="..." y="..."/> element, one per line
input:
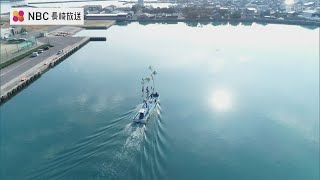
<point x="237" y="102"/>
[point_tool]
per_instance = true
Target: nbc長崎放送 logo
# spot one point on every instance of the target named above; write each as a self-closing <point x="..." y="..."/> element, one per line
<point x="18" y="16"/>
<point x="46" y="16"/>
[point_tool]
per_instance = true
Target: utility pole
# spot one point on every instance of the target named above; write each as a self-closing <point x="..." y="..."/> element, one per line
<point x="47" y="40"/>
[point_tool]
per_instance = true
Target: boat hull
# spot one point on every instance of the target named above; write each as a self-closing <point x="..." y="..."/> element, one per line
<point x="152" y="104"/>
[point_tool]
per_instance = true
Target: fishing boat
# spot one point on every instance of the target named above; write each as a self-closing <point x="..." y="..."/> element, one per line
<point x="148" y="107"/>
<point x="150" y="102"/>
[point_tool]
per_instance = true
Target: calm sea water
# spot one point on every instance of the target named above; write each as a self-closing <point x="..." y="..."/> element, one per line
<point x="237" y="102"/>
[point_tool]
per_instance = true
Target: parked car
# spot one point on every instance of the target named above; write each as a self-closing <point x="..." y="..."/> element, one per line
<point x="43" y="34"/>
<point x="40" y="51"/>
<point x="22" y="39"/>
<point x="46" y="48"/>
<point x="51" y="45"/>
<point x="59" y="52"/>
<point x="34" y="54"/>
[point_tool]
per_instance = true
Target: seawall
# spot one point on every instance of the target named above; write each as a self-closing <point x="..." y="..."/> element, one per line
<point x="15" y="86"/>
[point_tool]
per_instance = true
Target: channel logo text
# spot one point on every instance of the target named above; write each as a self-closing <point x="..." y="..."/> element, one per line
<point x="46" y="16"/>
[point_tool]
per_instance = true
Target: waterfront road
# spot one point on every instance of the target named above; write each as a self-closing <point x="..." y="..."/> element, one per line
<point x="14" y="70"/>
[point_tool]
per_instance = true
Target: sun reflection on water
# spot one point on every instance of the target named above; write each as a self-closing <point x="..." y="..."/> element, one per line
<point x="221" y="100"/>
<point x="289" y="2"/>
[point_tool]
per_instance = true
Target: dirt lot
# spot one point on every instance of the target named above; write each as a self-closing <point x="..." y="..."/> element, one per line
<point x="6" y="24"/>
<point x="7" y="50"/>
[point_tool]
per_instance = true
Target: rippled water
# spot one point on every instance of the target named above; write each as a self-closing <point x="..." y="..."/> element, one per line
<point x="237" y="102"/>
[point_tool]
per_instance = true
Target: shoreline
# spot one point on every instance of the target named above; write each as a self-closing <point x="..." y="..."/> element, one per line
<point x="267" y="21"/>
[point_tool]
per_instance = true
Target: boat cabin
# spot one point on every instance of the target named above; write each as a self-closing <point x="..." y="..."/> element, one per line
<point x="142" y="113"/>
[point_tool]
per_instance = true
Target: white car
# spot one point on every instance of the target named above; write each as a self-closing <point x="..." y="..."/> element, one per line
<point x="40" y="51"/>
<point x="34" y="54"/>
<point x="59" y="52"/>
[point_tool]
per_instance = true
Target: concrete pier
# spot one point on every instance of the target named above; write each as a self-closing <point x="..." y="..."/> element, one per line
<point x="98" y="24"/>
<point x="20" y="82"/>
